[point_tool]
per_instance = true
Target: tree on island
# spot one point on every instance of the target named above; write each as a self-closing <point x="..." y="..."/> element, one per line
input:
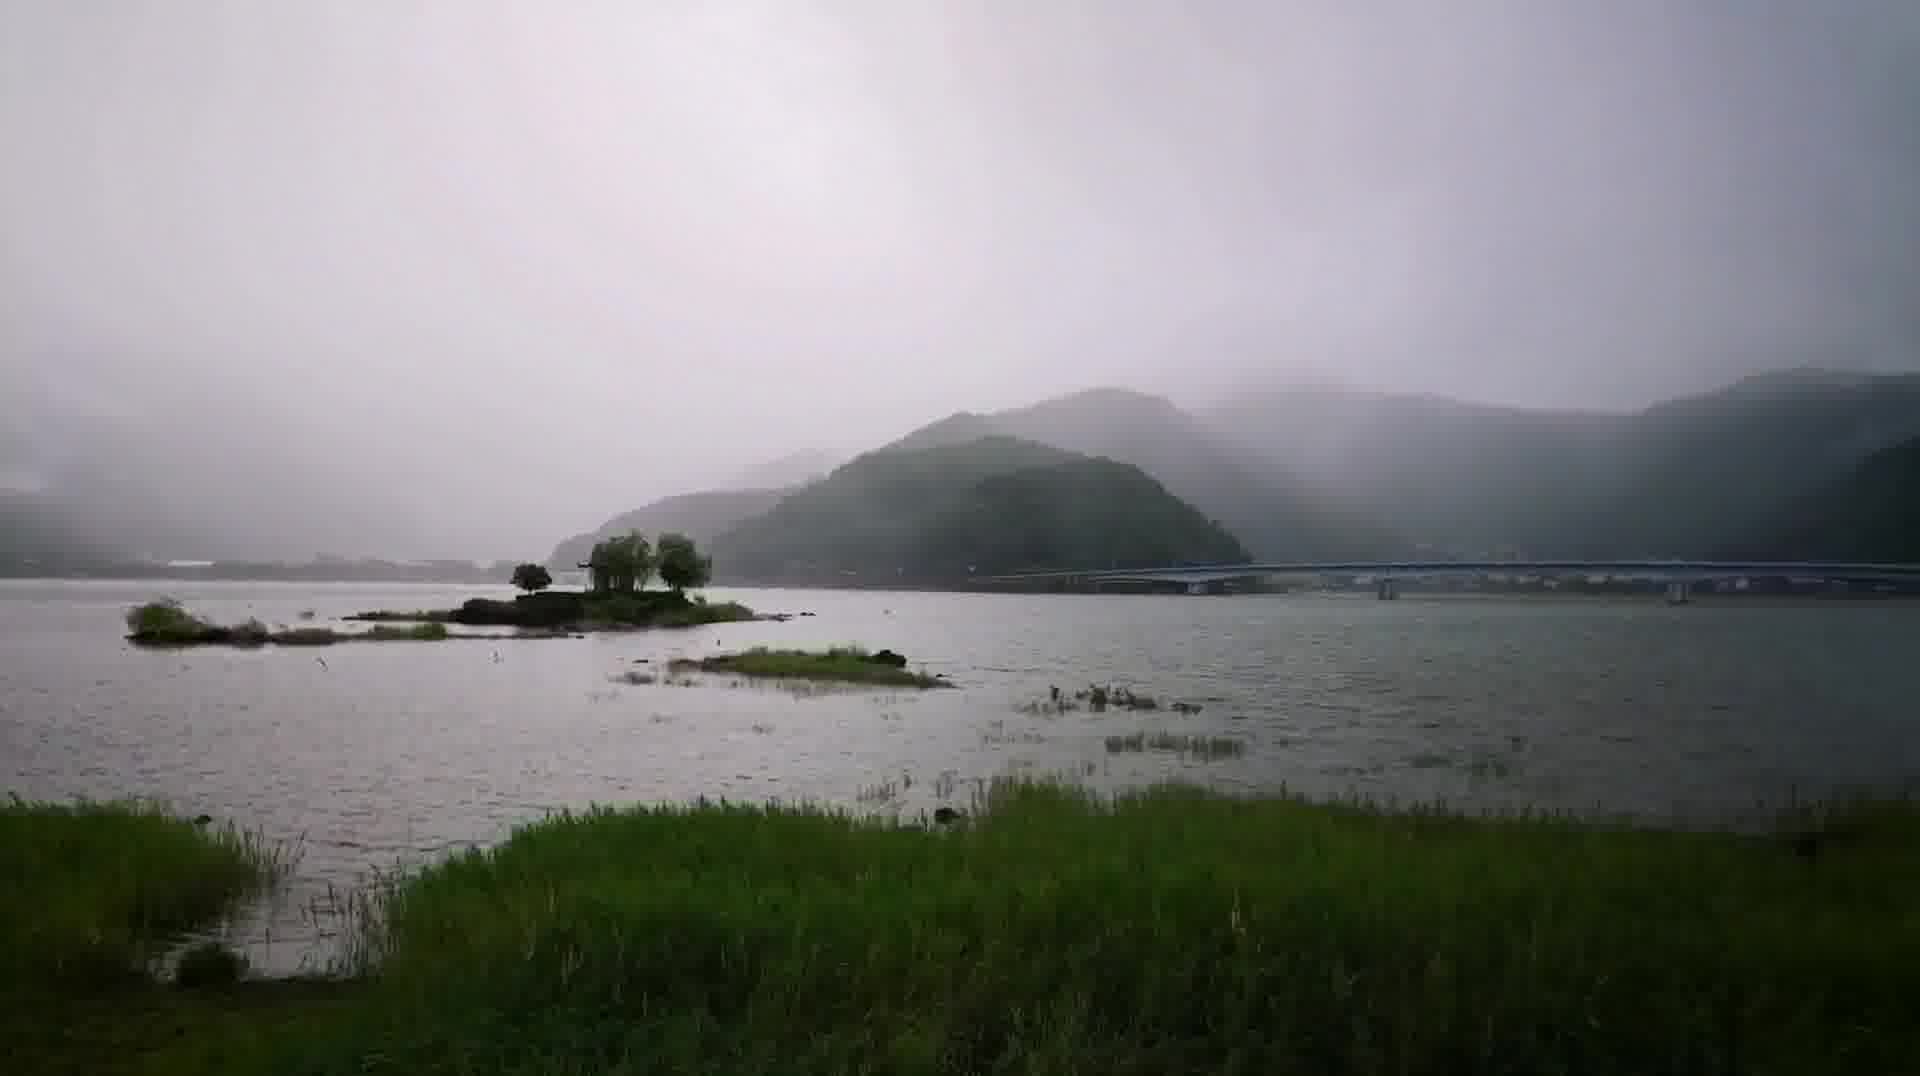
<point x="620" y="564"/>
<point x="680" y="564"/>
<point x="532" y="578"/>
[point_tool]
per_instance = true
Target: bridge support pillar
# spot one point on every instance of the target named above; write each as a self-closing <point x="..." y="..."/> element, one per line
<point x="1679" y="592"/>
<point x="1387" y="590"/>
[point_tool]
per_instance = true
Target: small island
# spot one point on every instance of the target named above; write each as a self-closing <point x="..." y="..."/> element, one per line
<point x="843" y="664"/>
<point x="616" y="601"/>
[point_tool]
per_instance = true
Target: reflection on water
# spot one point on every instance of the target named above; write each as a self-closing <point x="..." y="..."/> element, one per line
<point x="386" y="756"/>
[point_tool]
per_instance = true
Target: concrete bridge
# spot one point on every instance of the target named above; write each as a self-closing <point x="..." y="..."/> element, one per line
<point x="1680" y="576"/>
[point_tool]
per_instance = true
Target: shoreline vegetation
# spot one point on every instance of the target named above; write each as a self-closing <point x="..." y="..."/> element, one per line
<point x="96" y="892"/>
<point x="840" y="664"/>
<point x="165" y="623"/>
<point x="577" y="610"/>
<point x="1046" y="930"/>
<point x="618" y="601"/>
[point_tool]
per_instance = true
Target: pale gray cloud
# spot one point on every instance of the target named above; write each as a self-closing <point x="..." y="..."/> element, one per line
<point x="466" y="276"/>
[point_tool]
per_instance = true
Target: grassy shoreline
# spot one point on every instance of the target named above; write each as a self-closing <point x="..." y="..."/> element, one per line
<point x="841" y="664"/>
<point x="1166" y="930"/>
<point x="98" y="890"/>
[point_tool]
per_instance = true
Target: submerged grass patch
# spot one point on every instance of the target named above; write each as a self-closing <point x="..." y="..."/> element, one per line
<point x="1200" y="747"/>
<point x="93" y="891"/>
<point x="845" y="664"/>
<point x="1099" y="697"/>
<point x="430" y="631"/>
<point x="1168" y="931"/>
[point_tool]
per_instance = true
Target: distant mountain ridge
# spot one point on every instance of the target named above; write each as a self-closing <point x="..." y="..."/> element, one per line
<point x="1706" y="470"/>
<point x="1320" y="472"/>
<point x="943" y="513"/>
<point x="1681" y="478"/>
<point x="1267" y="507"/>
<point x="1305" y="472"/>
<point x="705" y="514"/>
<point x="1872" y="515"/>
<point x="701" y="516"/>
<point x="793" y="469"/>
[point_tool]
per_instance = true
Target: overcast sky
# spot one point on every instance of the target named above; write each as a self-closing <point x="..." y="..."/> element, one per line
<point x="472" y="275"/>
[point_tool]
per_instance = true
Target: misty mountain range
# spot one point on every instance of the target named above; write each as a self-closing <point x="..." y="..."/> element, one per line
<point x="1687" y="478"/>
<point x="1776" y="462"/>
<point x="702" y="516"/>
<point x="1262" y="502"/>
<point x="1871" y="515"/>
<point x="1799" y="463"/>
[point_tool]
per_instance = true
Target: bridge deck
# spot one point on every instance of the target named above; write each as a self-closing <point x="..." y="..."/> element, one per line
<point x="1692" y="570"/>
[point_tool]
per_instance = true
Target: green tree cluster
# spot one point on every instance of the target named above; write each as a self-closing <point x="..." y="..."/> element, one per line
<point x="680" y="564"/>
<point x="623" y="564"/>
<point x="620" y="564"/>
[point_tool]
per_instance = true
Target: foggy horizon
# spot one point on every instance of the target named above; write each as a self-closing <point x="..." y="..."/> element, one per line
<point x="461" y="280"/>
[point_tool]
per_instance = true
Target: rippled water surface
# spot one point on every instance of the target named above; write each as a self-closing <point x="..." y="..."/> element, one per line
<point x="381" y="755"/>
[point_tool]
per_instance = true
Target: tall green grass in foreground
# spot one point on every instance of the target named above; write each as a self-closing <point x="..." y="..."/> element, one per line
<point x="90" y="892"/>
<point x="1171" y="931"/>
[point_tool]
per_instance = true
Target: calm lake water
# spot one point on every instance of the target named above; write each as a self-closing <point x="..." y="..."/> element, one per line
<point x="382" y="755"/>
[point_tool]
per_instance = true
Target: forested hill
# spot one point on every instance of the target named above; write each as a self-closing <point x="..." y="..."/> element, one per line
<point x="700" y="516"/>
<point x="1872" y="515"/>
<point x="1262" y="501"/>
<point x="990" y="505"/>
<point x="1680" y="479"/>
